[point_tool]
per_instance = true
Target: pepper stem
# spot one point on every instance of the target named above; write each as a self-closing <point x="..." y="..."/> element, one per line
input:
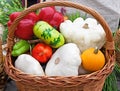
<point x="85" y="26"/>
<point x="96" y="50"/>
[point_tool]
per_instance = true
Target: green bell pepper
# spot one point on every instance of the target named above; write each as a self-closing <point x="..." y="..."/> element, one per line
<point x="20" y="47"/>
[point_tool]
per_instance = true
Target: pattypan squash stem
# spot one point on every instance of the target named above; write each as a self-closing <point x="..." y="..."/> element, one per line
<point x="57" y="60"/>
<point x="96" y="50"/>
<point x="85" y="26"/>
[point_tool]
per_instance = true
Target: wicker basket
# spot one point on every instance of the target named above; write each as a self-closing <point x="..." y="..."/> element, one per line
<point x="89" y="82"/>
<point x="117" y="44"/>
<point x="3" y="76"/>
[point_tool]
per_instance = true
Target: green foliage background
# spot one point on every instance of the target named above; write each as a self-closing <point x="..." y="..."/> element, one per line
<point x="6" y="8"/>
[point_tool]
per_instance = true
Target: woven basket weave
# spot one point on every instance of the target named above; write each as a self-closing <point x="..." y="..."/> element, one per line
<point x="117" y="44"/>
<point x="89" y="82"/>
<point x="3" y="76"/>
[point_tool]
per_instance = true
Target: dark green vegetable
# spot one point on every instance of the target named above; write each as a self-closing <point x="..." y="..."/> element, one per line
<point x="111" y="81"/>
<point x="20" y="47"/>
<point x="117" y="69"/>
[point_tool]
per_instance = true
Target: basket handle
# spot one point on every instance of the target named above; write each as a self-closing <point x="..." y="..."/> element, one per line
<point x="96" y="15"/>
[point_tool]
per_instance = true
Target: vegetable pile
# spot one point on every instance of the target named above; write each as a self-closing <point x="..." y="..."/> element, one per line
<point x="69" y="45"/>
<point x="48" y="43"/>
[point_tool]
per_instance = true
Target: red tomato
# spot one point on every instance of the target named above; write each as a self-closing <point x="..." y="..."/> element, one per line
<point x="42" y="52"/>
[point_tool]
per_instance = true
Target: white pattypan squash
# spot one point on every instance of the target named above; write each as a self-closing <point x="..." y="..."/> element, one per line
<point x="29" y="65"/>
<point x="85" y="33"/>
<point x="65" y="61"/>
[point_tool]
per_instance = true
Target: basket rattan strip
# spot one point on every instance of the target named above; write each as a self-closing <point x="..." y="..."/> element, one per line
<point x="3" y="76"/>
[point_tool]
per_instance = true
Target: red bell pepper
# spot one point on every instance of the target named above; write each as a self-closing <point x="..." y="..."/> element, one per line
<point x="32" y="16"/>
<point x="24" y="29"/>
<point x="42" y="52"/>
<point x="14" y="15"/>
<point x="52" y="16"/>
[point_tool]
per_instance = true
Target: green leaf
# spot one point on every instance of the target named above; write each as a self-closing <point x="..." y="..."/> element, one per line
<point x="73" y="16"/>
<point x="4" y="36"/>
<point x="111" y="82"/>
<point x="8" y="7"/>
<point x="117" y="68"/>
